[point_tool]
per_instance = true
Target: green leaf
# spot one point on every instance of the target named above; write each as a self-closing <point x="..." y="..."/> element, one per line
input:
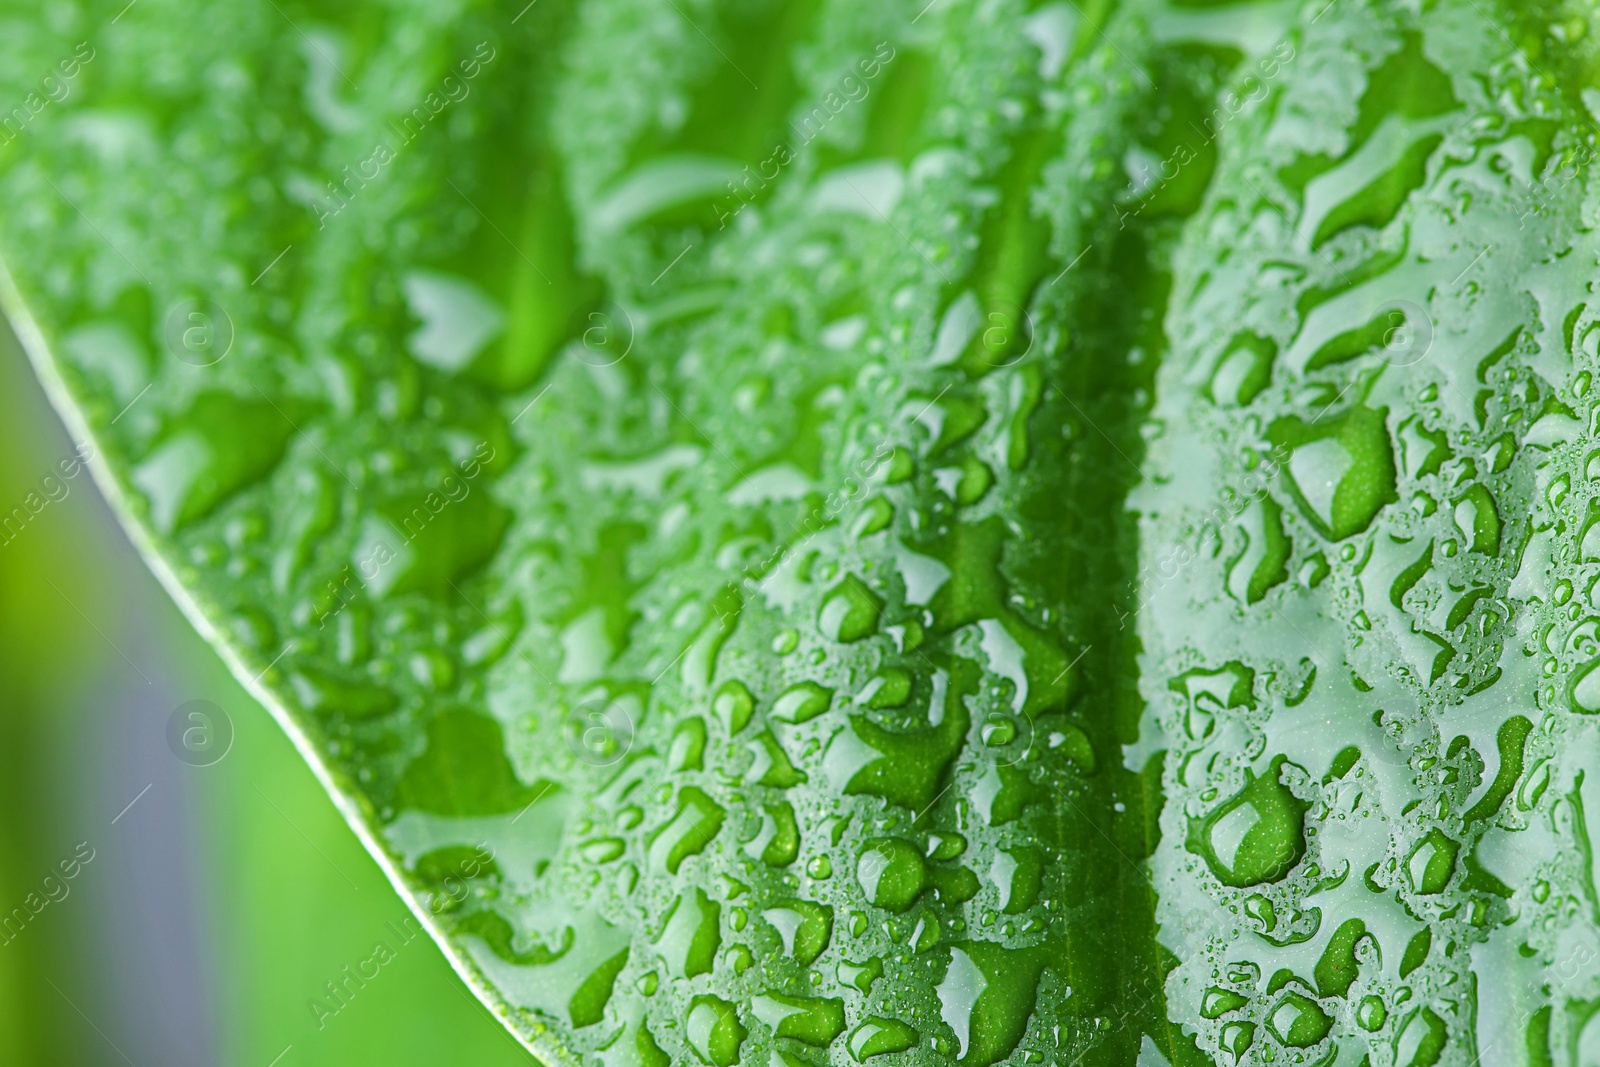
<point x="1418" y="666"/>
<point x="668" y="466"/>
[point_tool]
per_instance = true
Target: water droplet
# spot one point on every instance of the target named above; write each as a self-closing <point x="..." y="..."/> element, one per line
<point x="691" y="829"/>
<point x="889" y="688"/>
<point x="777" y="843"/>
<point x="733" y="706"/>
<point x="1432" y="863"/>
<point x="987" y="996"/>
<point x="876" y="514"/>
<point x="816" y="1021"/>
<point x="602" y="850"/>
<point x="1422" y="1040"/>
<point x="861" y="976"/>
<point x="688" y="745"/>
<point x="1017" y="875"/>
<point x="946" y="845"/>
<point x="1479" y="520"/>
<point x="1218" y="1002"/>
<point x="1299" y="1022"/>
<point x="1236" y="1039"/>
<point x="998" y="731"/>
<point x="891" y="873"/>
<point x="805" y="927"/>
<point x="1341" y="470"/>
<point x="877" y="1036"/>
<point x="1256" y="836"/>
<point x="770" y="765"/>
<point x="691" y="935"/>
<point x="850" y="612"/>
<point x="218" y="447"/>
<point x="714" y="1032"/>
<point x="802" y="703"/>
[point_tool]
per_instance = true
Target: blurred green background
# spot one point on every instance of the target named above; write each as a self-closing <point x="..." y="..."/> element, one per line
<point x="214" y="908"/>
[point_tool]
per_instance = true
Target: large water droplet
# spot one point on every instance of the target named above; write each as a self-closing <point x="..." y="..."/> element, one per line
<point x="1342" y="470"/>
<point x="815" y="1021"/>
<point x="691" y="829"/>
<point x="1431" y="863"/>
<point x="891" y="873"/>
<point x="1256" y="836"/>
<point x="714" y="1032"/>
<point x="850" y="612"/>
<point x="877" y="1036"/>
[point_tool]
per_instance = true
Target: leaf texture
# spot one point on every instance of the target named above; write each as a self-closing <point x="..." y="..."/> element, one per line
<point x="808" y="532"/>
